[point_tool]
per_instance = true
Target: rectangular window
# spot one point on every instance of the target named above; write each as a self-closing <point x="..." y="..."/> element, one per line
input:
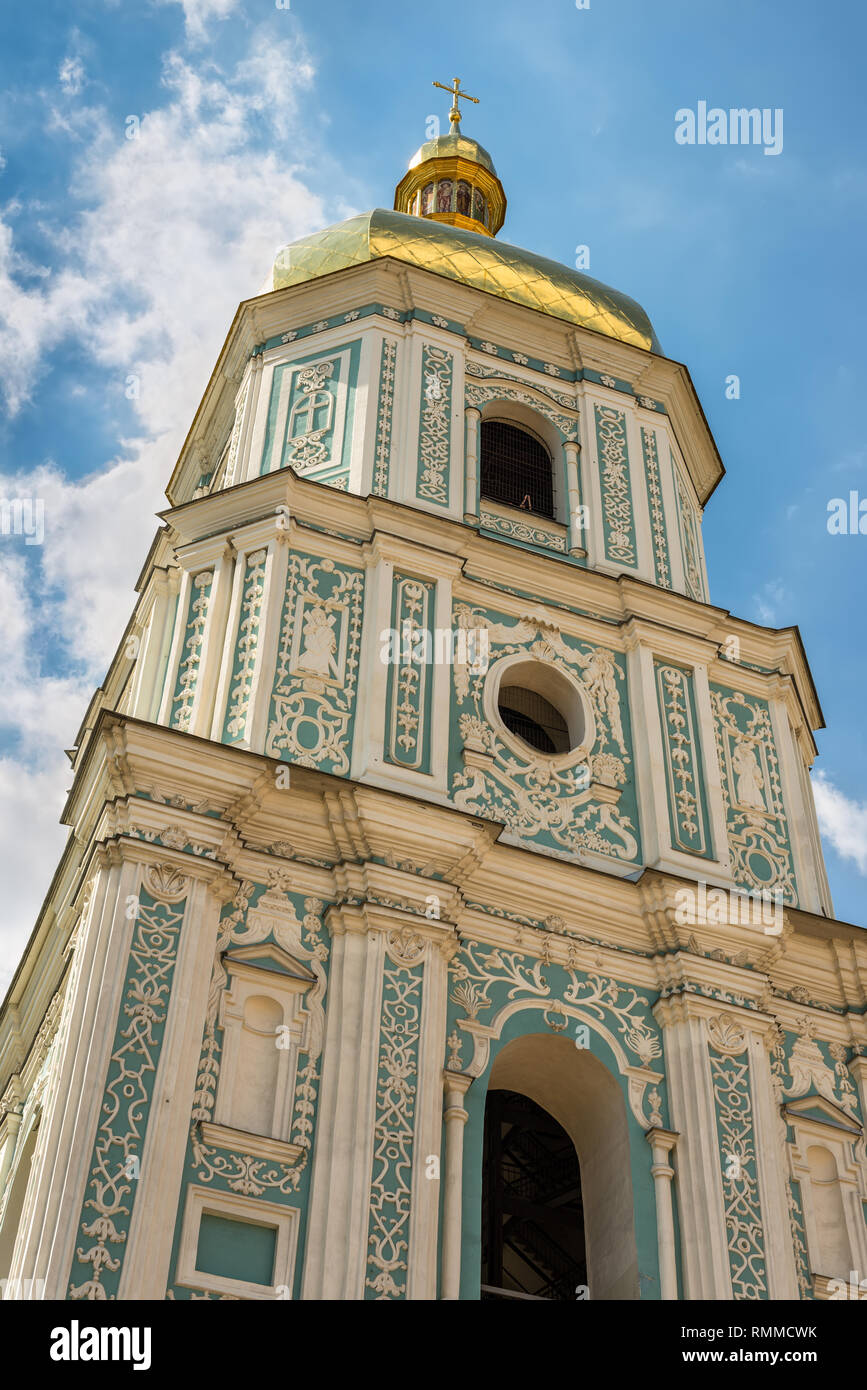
<point x="236" y="1249"/>
<point x="241" y="1246"/>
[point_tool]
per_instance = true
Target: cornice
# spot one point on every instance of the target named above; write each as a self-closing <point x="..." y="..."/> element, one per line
<point x="259" y="319"/>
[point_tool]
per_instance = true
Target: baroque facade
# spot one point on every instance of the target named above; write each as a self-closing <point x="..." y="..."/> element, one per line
<point x="317" y="908"/>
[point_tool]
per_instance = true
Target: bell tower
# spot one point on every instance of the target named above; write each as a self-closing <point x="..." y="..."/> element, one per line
<point x="429" y="798"/>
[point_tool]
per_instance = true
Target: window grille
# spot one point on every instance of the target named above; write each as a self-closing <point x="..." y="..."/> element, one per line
<point x="516" y="468"/>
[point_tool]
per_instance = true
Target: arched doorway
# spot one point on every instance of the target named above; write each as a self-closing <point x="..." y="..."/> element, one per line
<point x="574" y="1089"/>
<point x="533" y="1216"/>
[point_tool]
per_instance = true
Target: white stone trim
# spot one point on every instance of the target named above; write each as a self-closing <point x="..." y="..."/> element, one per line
<point x="285" y="1219"/>
<point x="797" y="820"/>
<point x="148" y="1246"/>
<point x="338" y="1208"/>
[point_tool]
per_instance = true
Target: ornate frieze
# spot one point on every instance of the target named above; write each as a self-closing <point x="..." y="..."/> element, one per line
<point x="495" y="389"/>
<point x="232" y="454"/>
<point x="484" y="369"/>
<point x="681" y="749"/>
<point x="659" y="532"/>
<point x="618" y="518"/>
<point x="745" y="1233"/>
<point x="435" y="421"/>
<point x="394" y="1117"/>
<point x="384" y="417"/>
<point x="191" y="654"/>
<point x="125" y="1109"/>
<point x="313" y="704"/>
<point x="246" y="646"/>
<point x="490" y="984"/>
<point x="410" y="682"/>
<point x="524" y="531"/>
<point x="752" y="793"/>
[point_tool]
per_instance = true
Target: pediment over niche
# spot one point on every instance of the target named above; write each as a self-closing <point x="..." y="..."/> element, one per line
<point x="270" y="957"/>
<point x="817" y="1108"/>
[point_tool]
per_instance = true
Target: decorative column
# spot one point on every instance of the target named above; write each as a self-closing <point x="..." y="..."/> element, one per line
<point x="338" y="1209"/>
<point x="197" y="889"/>
<point x="47" y="1238"/>
<point x="455" y="1087"/>
<point x="577" y="537"/>
<point x="704" y="1250"/>
<point x="252" y="433"/>
<point x="471" y="486"/>
<point x="771" y="1160"/>
<point x="11" y="1109"/>
<point x="662" y="1142"/>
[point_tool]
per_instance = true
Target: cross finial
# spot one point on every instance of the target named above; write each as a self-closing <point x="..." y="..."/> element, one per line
<point x="457" y="95"/>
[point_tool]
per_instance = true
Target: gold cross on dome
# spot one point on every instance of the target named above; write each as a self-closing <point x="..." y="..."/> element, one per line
<point x="457" y="95"/>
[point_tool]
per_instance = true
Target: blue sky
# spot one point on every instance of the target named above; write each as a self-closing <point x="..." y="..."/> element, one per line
<point x="121" y="263"/>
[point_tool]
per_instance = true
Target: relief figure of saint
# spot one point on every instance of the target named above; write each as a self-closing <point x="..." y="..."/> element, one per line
<point x="749" y="781"/>
<point x="320" y="642"/>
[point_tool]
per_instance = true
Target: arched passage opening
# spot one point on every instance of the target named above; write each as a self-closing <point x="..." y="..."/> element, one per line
<point x="533" y="1217"/>
<point x="573" y="1095"/>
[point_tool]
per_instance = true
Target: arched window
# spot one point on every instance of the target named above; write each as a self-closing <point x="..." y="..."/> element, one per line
<point x="427" y="200"/>
<point x="464" y="195"/>
<point x="516" y="468"/>
<point x="480" y="207"/>
<point x="444" y="196"/>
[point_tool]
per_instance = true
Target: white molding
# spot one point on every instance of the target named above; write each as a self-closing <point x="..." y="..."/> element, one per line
<point x="286" y="1221"/>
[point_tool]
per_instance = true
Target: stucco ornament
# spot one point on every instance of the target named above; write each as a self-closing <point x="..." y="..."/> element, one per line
<point x="272" y="918"/>
<point x="534" y="794"/>
<point x="317" y="665"/>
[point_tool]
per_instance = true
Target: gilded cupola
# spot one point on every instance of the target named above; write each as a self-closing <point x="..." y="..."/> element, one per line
<point x="452" y="179"/>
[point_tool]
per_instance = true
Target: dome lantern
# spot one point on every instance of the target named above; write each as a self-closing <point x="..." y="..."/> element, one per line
<point x="452" y="178"/>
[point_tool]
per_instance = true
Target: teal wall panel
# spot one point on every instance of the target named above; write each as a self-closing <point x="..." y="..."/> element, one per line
<point x="618" y="508"/>
<point x="316" y="683"/>
<point x="410" y="678"/>
<point x="236" y="1249"/>
<point x="688" y="817"/>
<point x="752" y="791"/>
<point x="125" y="1110"/>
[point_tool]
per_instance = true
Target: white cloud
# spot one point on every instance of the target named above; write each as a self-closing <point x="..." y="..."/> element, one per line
<point x="71" y="74"/>
<point x="177" y="226"/>
<point x="199" y="15"/>
<point x="180" y="223"/>
<point x="842" y="821"/>
<point x="766" y="603"/>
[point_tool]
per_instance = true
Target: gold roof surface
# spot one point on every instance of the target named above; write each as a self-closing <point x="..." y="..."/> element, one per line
<point x="472" y="259"/>
<point x="451" y="146"/>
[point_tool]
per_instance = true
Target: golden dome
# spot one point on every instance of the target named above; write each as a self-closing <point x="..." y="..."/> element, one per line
<point x="452" y="179"/>
<point x="454" y="144"/>
<point x="473" y="259"/>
